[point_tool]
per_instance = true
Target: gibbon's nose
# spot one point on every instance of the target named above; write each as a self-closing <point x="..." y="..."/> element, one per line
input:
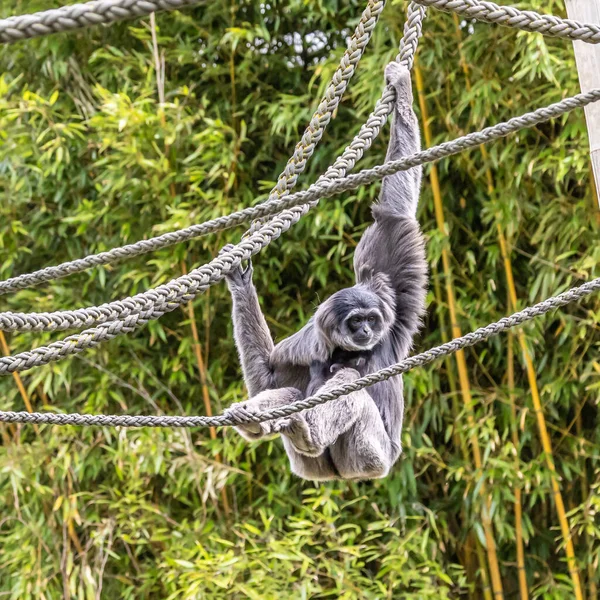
<point x="366" y="331"/>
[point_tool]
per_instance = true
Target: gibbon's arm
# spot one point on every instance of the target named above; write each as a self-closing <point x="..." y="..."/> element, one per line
<point x="250" y="331"/>
<point x="394" y="244"/>
<point x="400" y="191"/>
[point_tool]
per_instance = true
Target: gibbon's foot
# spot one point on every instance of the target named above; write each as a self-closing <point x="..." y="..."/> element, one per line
<point x="296" y="429"/>
<point x="267" y="400"/>
<point x="238" y="276"/>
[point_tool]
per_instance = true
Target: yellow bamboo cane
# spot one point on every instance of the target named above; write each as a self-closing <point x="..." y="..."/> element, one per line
<point x="524" y="594"/>
<point x="471" y="540"/>
<point x="541" y="421"/>
<point x="463" y="377"/>
<point x="546" y="444"/>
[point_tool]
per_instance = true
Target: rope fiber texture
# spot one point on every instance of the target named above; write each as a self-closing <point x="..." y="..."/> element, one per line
<point x="274" y="204"/>
<point x="527" y="20"/>
<point x="165" y="298"/>
<point x="419" y="360"/>
<point x="76" y="16"/>
<point x="128" y="315"/>
<point x="258" y="239"/>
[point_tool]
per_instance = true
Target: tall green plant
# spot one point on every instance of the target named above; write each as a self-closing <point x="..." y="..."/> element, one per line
<point x="90" y="158"/>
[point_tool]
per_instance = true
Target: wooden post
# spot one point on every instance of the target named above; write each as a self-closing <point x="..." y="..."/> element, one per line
<point x="587" y="57"/>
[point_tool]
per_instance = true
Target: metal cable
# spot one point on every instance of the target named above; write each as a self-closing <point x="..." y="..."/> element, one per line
<point x="527" y="20"/>
<point x="241" y="417"/>
<point x="155" y="302"/>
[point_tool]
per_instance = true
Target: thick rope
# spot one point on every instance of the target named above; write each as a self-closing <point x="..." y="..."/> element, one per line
<point x="76" y="16"/>
<point x="527" y="20"/>
<point x="249" y="246"/>
<point x="361" y="142"/>
<point x="167" y="297"/>
<point x="242" y="417"/>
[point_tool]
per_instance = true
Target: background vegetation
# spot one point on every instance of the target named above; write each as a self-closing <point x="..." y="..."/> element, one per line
<point x="90" y="159"/>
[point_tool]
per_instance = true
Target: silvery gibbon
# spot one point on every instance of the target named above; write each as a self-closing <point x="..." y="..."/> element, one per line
<point x="357" y="330"/>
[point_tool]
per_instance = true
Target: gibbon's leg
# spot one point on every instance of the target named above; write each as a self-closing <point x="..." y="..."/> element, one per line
<point x="264" y="401"/>
<point x="314" y="468"/>
<point x="250" y="331"/>
<point x="402" y="188"/>
<point x="349" y="430"/>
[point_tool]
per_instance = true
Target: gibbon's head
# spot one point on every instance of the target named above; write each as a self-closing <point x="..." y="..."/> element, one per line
<point x="357" y="318"/>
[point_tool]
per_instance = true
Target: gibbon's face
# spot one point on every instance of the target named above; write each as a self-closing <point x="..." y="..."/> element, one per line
<point x="354" y="319"/>
<point x="362" y="329"/>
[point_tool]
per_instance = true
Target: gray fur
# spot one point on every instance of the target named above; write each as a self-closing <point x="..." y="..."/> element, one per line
<point x="357" y="436"/>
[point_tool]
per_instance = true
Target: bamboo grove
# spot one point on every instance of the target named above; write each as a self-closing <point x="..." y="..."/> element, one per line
<point x="156" y="124"/>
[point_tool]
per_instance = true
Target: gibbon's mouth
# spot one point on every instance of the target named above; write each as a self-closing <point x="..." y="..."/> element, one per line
<point x="357" y="343"/>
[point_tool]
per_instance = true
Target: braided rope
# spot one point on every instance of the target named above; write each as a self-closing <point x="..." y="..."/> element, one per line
<point x="155" y="302"/>
<point x="241" y="417"/>
<point x="286" y="181"/>
<point x="230" y="259"/>
<point x="76" y="16"/>
<point x="361" y="142"/>
<point x="168" y="297"/>
<point x="527" y="20"/>
<point x="275" y="204"/>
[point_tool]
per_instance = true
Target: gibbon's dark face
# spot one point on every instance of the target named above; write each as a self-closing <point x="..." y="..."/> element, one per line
<point x="354" y="319"/>
<point x="363" y="327"/>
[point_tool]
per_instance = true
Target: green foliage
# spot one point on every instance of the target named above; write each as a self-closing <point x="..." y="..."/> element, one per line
<point x="89" y="160"/>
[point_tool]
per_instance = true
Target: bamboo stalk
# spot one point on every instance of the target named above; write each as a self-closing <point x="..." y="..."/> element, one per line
<point x="204" y="385"/>
<point x="592" y="585"/>
<point x="511" y="377"/>
<point x="160" y="84"/>
<point x="543" y="431"/>
<point x="471" y="540"/>
<point x="524" y="593"/>
<point x="463" y="376"/>
<point x="20" y="386"/>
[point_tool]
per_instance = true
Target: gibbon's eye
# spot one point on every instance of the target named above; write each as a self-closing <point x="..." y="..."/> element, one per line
<point x="372" y="320"/>
<point x="355" y="321"/>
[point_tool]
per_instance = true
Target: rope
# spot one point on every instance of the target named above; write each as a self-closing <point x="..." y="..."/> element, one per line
<point x="76" y="16"/>
<point x="527" y="20"/>
<point x="241" y="417"/>
<point x="274" y="204"/>
<point x="165" y="298"/>
<point x="248" y="247"/>
<point x="128" y="315"/>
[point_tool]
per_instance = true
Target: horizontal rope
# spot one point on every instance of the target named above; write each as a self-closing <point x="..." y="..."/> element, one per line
<point x="527" y="20"/>
<point x="418" y="360"/>
<point x="76" y="16"/>
<point x="155" y="302"/>
<point x="248" y="247"/>
<point x="274" y="204"/>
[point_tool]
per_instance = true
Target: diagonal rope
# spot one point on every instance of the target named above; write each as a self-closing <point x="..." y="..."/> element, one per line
<point x="419" y="360"/>
<point x="167" y="297"/>
<point x="361" y="142"/>
<point x="76" y="16"/>
<point x="249" y="246"/>
<point x="527" y="20"/>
